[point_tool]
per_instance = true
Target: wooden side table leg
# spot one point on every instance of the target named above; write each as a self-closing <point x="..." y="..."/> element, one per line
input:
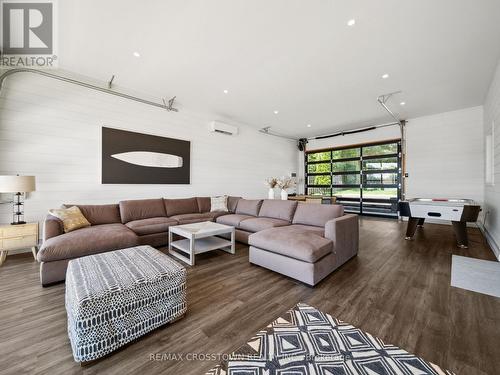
<point x="33" y="251"/>
<point x="3" y="255"/>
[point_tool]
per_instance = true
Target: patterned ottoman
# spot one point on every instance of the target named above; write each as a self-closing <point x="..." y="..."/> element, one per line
<point x="116" y="297"/>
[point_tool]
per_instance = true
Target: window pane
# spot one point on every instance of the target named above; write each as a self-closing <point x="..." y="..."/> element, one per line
<point x="318" y="168"/>
<point x="346" y="166"/>
<point x="347" y="192"/>
<point x="391" y="148"/>
<point x="382" y="163"/>
<point x="388" y="207"/>
<point x="380" y="193"/>
<point x="334" y="178"/>
<point x="344" y="154"/>
<point x="319" y="191"/>
<point x="346" y="179"/>
<point x="350" y="206"/>
<point x="319" y="180"/>
<point x="318" y="156"/>
<point x="381" y="178"/>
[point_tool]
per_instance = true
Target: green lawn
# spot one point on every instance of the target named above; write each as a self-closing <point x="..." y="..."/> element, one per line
<point x="375" y="193"/>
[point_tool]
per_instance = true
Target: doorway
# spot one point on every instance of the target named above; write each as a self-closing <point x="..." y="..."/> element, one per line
<point x="365" y="179"/>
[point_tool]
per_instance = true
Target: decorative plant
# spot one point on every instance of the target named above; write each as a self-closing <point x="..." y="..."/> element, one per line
<point x="271" y="182"/>
<point x="285" y="183"/>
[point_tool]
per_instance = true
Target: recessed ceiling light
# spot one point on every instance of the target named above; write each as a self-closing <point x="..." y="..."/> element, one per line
<point x="276" y="111"/>
<point x="385" y="76"/>
<point x="351" y="22"/>
<point x="226" y="91"/>
<point x="308" y="125"/>
<point x="402" y="103"/>
<point x="137" y="54"/>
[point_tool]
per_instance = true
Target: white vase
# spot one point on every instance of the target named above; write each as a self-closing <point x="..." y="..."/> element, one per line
<point x="284" y="194"/>
<point x="270" y="194"/>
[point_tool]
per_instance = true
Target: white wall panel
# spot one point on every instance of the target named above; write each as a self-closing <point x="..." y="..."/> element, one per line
<point x="445" y="155"/>
<point x="492" y="191"/>
<point x="52" y="130"/>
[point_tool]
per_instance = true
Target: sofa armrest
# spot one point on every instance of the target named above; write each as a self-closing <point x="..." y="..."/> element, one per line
<point x="344" y="232"/>
<point x="52" y="227"/>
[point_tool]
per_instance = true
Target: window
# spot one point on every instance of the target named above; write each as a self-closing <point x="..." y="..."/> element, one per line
<point x="365" y="179"/>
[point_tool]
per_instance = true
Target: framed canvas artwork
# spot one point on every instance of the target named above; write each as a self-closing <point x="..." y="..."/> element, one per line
<point x="136" y="158"/>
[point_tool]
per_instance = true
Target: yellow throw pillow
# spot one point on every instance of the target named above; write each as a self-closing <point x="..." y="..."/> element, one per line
<point x="72" y="218"/>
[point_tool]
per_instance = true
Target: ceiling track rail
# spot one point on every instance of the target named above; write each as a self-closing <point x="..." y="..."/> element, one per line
<point x="382" y="99"/>
<point x="165" y="105"/>
<point x="267" y="130"/>
<point x="353" y="131"/>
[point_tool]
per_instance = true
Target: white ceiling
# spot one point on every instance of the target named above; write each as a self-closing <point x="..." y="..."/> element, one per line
<point x="295" y="56"/>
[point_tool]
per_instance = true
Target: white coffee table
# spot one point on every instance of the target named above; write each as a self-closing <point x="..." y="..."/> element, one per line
<point x="199" y="238"/>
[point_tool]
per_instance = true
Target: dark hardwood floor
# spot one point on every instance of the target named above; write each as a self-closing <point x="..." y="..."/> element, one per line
<point x="397" y="290"/>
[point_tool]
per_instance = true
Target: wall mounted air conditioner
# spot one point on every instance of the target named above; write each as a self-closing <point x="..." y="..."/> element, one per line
<point x="220" y="127"/>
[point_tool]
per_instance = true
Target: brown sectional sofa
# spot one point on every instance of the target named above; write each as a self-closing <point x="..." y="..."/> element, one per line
<point x="252" y="216"/>
<point x="118" y="226"/>
<point x="306" y="242"/>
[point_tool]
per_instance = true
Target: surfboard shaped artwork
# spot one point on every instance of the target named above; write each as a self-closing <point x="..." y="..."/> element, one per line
<point x="150" y="159"/>
<point x="137" y="158"/>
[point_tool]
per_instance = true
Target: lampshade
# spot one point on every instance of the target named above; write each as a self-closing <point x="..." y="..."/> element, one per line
<point x="15" y="184"/>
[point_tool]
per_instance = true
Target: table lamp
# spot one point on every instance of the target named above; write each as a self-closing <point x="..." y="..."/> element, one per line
<point x="17" y="185"/>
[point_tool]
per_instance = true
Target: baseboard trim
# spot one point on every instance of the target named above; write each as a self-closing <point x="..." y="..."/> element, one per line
<point x="491" y="241"/>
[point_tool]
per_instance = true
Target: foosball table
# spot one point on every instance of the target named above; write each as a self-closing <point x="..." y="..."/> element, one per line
<point x="458" y="211"/>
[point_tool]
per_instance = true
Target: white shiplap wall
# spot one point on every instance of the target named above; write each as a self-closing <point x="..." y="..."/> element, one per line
<point x="445" y="155"/>
<point x="492" y="192"/>
<point x="52" y="130"/>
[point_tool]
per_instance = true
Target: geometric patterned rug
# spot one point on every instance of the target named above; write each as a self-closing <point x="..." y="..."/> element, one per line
<point x="306" y="341"/>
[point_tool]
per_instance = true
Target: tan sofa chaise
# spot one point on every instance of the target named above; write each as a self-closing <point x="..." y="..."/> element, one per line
<point x="298" y="240"/>
<point x="303" y="241"/>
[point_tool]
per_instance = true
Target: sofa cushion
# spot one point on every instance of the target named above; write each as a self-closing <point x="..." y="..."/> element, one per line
<point x="98" y="214"/>
<point x="233" y="219"/>
<point x="260" y="223"/>
<point x="181" y="206"/>
<point x="214" y="215"/>
<point x="278" y="209"/>
<point x="72" y="218"/>
<point x="316" y="214"/>
<point x="203" y="204"/>
<point x="52" y="226"/>
<point x="307" y="228"/>
<point x="152" y="225"/>
<point x="139" y="209"/>
<point x="192" y="218"/>
<point x="232" y="202"/>
<point x="305" y="246"/>
<point x="87" y="241"/>
<point x="248" y="207"/>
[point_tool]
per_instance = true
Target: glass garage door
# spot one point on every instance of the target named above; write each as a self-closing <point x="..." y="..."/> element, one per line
<point x="365" y="179"/>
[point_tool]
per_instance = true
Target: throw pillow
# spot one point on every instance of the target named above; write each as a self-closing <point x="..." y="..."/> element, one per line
<point x="218" y="204"/>
<point x="72" y="218"/>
